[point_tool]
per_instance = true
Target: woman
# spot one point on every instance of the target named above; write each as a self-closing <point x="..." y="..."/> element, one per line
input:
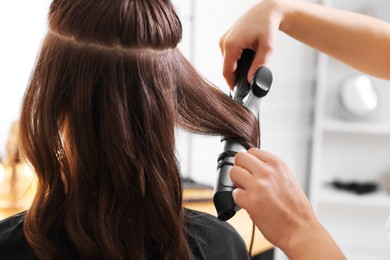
<point x="97" y="126"/>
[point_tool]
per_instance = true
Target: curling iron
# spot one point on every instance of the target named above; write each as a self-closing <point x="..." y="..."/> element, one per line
<point x="261" y="83"/>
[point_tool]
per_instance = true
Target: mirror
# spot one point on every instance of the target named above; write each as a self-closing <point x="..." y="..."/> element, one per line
<point x="357" y="96"/>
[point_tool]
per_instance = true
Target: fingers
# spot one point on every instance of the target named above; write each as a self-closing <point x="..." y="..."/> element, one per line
<point x="231" y="54"/>
<point x="240" y="176"/>
<point x="242" y="179"/>
<point x="229" y="69"/>
<point x="256" y="30"/>
<point x="275" y="165"/>
<point x="261" y="58"/>
<point x="245" y="174"/>
<point x="263" y="155"/>
<point x="239" y="196"/>
<point x="250" y="162"/>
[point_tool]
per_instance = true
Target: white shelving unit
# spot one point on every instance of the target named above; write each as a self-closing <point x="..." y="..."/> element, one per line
<point x="331" y="196"/>
<point x="351" y="150"/>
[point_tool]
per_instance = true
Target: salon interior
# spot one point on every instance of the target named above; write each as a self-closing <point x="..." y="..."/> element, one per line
<point x="328" y="122"/>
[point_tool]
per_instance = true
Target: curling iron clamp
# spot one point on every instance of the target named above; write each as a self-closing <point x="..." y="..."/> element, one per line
<point x="261" y="83"/>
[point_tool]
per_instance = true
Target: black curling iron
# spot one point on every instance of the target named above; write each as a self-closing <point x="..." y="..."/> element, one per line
<point x="261" y="83"/>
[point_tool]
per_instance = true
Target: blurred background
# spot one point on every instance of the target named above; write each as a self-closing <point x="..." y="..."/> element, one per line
<point x="315" y="117"/>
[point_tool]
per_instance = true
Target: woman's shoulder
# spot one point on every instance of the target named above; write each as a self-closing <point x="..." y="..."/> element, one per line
<point x="211" y="238"/>
<point x="13" y="243"/>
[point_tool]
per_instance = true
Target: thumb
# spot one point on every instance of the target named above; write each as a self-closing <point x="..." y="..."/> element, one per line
<point x="240" y="197"/>
<point x="261" y="59"/>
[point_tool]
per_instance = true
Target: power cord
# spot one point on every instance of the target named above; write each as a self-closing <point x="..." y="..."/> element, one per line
<point x="252" y="239"/>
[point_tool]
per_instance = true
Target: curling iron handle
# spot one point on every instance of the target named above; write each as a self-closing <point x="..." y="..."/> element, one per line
<point x="223" y="198"/>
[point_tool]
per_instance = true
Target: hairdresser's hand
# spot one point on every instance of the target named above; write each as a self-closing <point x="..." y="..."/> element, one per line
<point x="271" y="195"/>
<point x="279" y="207"/>
<point x="257" y="30"/>
<point x="331" y="31"/>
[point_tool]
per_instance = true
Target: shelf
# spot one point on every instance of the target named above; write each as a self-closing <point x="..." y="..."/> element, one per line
<point x="329" y="195"/>
<point x="351" y="149"/>
<point x="366" y="127"/>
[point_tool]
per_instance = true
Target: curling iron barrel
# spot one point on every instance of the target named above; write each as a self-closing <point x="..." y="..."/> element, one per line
<point x="261" y="83"/>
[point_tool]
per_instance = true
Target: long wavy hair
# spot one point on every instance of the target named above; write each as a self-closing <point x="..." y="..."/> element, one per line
<point x="98" y="123"/>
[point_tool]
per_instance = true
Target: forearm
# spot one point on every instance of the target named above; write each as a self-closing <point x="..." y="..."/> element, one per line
<point x="312" y="243"/>
<point x="358" y="40"/>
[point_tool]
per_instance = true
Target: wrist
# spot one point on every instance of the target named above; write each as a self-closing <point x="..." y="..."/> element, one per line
<point x="300" y="238"/>
<point x="310" y="241"/>
<point x="285" y="10"/>
<point x="274" y="9"/>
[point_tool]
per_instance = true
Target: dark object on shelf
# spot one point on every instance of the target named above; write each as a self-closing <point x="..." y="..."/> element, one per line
<point x="359" y="188"/>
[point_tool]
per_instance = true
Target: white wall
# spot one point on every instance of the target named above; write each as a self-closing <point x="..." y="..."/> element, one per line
<point x="285" y="114"/>
<point x="22" y="26"/>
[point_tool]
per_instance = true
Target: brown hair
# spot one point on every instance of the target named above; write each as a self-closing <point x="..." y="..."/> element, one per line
<point x="97" y="125"/>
